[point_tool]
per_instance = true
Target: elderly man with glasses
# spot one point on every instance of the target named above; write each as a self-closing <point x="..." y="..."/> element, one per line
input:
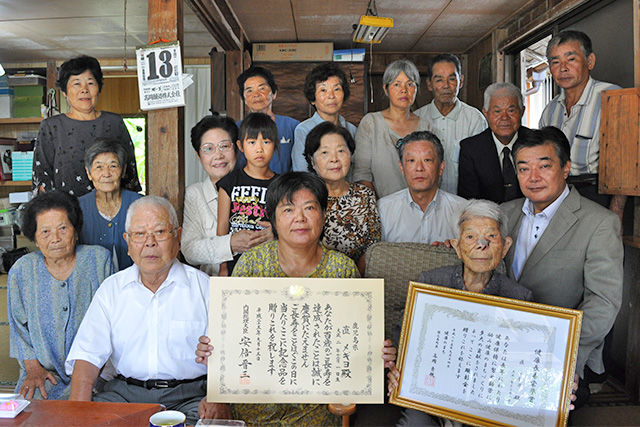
<point x="146" y="321"/>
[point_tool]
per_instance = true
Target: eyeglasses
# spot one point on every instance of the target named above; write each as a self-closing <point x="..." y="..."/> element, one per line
<point x="142" y="236"/>
<point x="223" y="146"/>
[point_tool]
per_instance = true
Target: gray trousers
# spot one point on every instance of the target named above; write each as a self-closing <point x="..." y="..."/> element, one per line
<point x="184" y="397"/>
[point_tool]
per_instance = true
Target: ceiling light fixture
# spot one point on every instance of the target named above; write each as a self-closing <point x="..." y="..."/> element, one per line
<point x="372" y="28"/>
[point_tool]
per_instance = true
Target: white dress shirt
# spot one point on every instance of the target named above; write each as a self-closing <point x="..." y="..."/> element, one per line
<point x="531" y="229"/>
<point x="201" y="244"/>
<point x="146" y="335"/>
<point x="461" y="122"/>
<point x="403" y="220"/>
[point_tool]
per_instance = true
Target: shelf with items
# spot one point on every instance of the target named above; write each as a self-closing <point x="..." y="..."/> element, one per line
<point x="21" y="121"/>
<point x="15" y="184"/>
<point x="9" y="128"/>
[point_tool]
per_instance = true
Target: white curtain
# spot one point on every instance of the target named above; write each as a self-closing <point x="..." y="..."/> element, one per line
<point x="197" y="105"/>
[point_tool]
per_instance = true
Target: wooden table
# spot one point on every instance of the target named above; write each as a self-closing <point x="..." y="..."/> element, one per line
<point x="65" y="413"/>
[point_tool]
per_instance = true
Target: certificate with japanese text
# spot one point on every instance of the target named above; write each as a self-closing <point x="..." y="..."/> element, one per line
<point x="296" y="340"/>
<point x="485" y="360"/>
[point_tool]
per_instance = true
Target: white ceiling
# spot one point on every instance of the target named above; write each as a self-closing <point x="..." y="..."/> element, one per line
<point x="39" y="30"/>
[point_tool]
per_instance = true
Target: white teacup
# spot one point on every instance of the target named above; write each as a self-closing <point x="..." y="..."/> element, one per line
<point x="167" y="419"/>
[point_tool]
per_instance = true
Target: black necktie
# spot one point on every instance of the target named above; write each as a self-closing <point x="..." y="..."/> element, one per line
<point x="511" y="189"/>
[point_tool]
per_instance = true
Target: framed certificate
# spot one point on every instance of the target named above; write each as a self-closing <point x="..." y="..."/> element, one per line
<point x="296" y="340"/>
<point x="485" y="360"/>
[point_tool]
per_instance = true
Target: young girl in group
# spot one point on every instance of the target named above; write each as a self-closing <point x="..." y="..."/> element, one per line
<point x="242" y="193"/>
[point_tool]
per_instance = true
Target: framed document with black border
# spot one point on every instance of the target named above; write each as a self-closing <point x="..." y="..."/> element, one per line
<point x="485" y="360"/>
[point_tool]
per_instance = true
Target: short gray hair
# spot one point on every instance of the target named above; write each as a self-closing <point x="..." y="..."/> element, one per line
<point x="155" y="201"/>
<point x="502" y="89"/>
<point x="421" y="135"/>
<point x="106" y="145"/>
<point x="401" y="66"/>
<point x="568" y="36"/>
<point x="475" y="208"/>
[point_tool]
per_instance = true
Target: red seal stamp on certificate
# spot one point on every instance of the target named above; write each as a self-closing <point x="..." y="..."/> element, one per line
<point x="430" y="380"/>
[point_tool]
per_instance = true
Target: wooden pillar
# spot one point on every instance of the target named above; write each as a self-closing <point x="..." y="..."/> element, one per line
<point x="218" y="82"/>
<point x="165" y="155"/>
<point x="498" y="67"/>
<point x="234" y="67"/>
<point x="636" y="43"/>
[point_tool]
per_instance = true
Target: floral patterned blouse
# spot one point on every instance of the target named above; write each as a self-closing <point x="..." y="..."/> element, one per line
<point x="352" y="222"/>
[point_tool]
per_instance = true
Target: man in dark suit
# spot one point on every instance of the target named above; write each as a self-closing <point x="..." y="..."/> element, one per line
<point x="567" y="249"/>
<point x="486" y="169"/>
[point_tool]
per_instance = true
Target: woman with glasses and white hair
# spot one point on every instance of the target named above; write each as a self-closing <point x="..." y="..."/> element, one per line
<point x="376" y="159"/>
<point x="214" y="139"/>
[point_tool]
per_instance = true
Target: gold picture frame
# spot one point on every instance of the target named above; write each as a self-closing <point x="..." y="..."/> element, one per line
<point x="485" y="360"/>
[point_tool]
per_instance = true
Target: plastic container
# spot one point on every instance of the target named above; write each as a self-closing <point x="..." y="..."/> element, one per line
<point x="11" y="404"/>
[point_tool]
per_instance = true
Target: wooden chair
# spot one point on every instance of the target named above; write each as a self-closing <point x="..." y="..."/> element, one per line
<point x="397" y="263"/>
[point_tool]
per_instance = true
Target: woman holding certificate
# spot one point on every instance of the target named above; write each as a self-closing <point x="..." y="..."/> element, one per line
<point x="296" y="205"/>
<point x="482" y="244"/>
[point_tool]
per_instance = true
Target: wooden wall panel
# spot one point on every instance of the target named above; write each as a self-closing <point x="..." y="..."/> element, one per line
<point x="291" y="101"/>
<point x="120" y="95"/>
<point x="475" y="94"/>
<point x="620" y="142"/>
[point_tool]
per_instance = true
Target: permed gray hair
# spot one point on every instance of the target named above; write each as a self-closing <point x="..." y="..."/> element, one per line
<point x="155" y="201"/>
<point x="475" y="208"/>
<point x="106" y="145"/>
<point x="401" y="66"/>
<point x="502" y="89"/>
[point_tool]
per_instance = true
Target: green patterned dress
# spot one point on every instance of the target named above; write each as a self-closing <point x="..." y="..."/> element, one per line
<point x="262" y="261"/>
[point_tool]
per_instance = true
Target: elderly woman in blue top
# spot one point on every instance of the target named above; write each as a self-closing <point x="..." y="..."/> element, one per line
<point x="105" y="208"/>
<point x="49" y="291"/>
<point x="326" y="88"/>
<point x="482" y="243"/>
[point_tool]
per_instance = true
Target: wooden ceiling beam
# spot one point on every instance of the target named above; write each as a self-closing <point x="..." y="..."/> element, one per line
<point x="222" y="23"/>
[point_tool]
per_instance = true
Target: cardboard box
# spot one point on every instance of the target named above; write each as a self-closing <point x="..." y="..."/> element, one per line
<point x="292" y="52"/>
<point x="28" y="79"/>
<point x="27" y="106"/>
<point x="30" y="111"/>
<point x="30" y="90"/>
<point x="27" y="101"/>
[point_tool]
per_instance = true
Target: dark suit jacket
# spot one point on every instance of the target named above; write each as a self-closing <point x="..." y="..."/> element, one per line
<point x="479" y="168"/>
<point x="577" y="263"/>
